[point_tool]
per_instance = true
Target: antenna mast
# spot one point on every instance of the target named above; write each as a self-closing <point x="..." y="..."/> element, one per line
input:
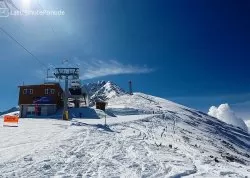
<point x="130" y="87"/>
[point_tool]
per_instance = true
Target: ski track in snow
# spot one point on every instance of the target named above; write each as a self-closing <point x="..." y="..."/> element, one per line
<point x="139" y="148"/>
<point x="175" y="142"/>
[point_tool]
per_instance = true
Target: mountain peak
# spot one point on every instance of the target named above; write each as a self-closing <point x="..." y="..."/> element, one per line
<point x="103" y="90"/>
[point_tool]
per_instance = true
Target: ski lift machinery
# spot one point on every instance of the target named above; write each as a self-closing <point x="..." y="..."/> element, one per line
<point x="75" y="83"/>
<point x="66" y="74"/>
<point x="79" y="93"/>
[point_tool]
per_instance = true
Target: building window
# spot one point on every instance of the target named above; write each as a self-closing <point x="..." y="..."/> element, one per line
<point x="49" y="91"/>
<point x="46" y="91"/>
<point x="52" y="91"/>
<point x="30" y="91"/>
<point x="30" y="110"/>
<point x="25" y="91"/>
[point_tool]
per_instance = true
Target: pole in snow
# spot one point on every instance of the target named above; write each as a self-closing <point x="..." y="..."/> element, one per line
<point x="65" y="101"/>
<point x="130" y="87"/>
<point x="105" y="120"/>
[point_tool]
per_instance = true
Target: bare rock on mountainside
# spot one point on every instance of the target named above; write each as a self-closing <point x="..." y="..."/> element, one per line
<point x="103" y="90"/>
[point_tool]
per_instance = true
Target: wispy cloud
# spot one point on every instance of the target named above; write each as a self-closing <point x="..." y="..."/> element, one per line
<point x="99" y="68"/>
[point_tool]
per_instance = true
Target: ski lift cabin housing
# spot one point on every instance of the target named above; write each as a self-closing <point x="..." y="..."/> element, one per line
<point x="78" y="94"/>
<point x="75" y="83"/>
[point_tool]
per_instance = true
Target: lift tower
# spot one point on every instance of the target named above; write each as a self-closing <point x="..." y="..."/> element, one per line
<point x="66" y="74"/>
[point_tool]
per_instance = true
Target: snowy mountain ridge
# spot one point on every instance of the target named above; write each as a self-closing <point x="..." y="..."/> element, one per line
<point x="93" y="87"/>
<point x="149" y="137"/>
<point x="103" y="90"/>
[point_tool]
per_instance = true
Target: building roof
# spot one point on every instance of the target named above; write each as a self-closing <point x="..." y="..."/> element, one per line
<point x="98" y="100"/>
<point x="35" y="85"/>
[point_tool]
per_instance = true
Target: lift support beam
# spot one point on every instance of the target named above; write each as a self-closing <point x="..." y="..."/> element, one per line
<point x="66" y="74"/>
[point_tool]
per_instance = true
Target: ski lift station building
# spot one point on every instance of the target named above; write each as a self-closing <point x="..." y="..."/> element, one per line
<point x="40" y="100"/>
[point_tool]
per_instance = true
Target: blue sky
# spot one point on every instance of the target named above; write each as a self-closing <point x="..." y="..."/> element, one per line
<point x="192" y="52"/>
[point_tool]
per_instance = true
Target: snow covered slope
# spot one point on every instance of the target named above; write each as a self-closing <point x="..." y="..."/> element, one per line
<point x="92" y="88"/>
<point x="13" y="109"/>
<point x="248" y="125"/>
<point x="150" y="137"/>
<point x="142" y="103"/>
<point x="108" y="91"/>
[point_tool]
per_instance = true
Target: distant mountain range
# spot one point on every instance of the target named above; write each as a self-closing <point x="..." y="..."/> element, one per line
<point x="13" y="109"/>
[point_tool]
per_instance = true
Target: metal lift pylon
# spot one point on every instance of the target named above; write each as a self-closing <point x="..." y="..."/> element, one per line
<point x="66" y="74"/>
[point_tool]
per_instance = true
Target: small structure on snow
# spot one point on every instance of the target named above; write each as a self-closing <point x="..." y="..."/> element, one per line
<point x="130" y="87"/>
<point x="100" y="104"/>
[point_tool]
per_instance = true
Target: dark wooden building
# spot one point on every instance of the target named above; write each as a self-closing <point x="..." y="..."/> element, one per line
<point x="40" y="100"/>
<point x="100" y="104"/>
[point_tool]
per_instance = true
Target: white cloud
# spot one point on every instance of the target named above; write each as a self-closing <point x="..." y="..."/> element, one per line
<point x="248" y="125"/>
<point x="99" y="68"/>
<point x="226" y="114"/>
<point x="96" y="68"/>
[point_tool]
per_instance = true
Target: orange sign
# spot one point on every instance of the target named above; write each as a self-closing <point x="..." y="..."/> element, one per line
<point x="10" y="119"/>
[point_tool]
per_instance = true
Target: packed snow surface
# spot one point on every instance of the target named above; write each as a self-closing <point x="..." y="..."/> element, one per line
<point x="150" y="137"/>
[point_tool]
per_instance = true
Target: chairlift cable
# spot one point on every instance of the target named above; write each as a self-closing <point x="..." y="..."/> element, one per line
<point x="11" y="37"/>
<point x="49" y="22"/>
